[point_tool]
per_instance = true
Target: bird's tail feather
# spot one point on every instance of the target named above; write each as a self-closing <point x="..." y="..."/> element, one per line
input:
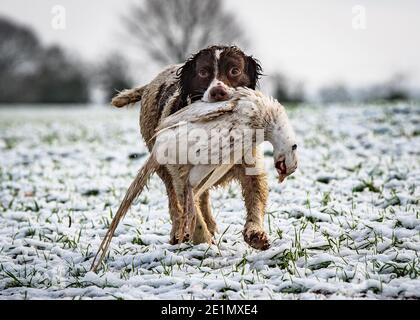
<point x="132" y="193"/>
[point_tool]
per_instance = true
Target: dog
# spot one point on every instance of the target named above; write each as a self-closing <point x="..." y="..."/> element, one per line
<point x="211" y="75"/>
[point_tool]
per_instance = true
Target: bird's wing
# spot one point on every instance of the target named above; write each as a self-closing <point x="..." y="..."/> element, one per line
<point x="172" y="132"/>
<point x="215" y="176"/>
<point x="218" y="174"/>
<point x="228" y="152"/>
<point x="160" y="131"/>
<point x="198" y="112"/>
<point x="214" y="112"/>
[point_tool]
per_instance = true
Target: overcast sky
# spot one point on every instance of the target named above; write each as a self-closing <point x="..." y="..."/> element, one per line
<point x="312" y="41"/>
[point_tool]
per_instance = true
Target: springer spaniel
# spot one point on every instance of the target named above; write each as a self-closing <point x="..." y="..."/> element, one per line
<point x="210" y="75"/>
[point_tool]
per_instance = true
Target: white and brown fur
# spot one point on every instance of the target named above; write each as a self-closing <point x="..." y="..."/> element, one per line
<point x="209" y="75"/>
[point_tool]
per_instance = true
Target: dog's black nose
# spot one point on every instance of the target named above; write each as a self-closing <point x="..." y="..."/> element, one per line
<point x="218" y="94"/>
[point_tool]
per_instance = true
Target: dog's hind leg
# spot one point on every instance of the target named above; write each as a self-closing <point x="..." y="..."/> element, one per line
<point x="192" y="225"/>
<point x="189" y="216"/>
<point x="201" y="231"/>
<point x="205" y="207"/>
<point x="174" y="206"/>
<point x="206" y="225"/>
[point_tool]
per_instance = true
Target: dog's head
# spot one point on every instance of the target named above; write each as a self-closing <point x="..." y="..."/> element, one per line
<point x="213" y="73"/>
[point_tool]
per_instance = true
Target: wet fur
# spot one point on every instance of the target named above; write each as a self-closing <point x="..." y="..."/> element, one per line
<point x="168" y="93"/>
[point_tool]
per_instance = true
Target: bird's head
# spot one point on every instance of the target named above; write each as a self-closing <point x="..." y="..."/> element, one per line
<point x="286" y="162"/>
<point x="282" y="137"/>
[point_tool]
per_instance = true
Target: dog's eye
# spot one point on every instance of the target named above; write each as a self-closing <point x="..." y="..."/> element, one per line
<point x="203" y="73"/>
<point x="234" y="72"/>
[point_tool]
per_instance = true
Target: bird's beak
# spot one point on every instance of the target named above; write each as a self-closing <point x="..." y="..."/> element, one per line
<point x="282" y="177"/>
<point x="281" y="169"/>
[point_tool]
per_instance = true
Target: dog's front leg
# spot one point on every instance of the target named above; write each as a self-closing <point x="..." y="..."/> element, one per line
<point x="255" y="192"/>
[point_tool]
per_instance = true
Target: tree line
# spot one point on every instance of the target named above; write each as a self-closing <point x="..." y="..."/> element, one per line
<point x="33" y="73"/>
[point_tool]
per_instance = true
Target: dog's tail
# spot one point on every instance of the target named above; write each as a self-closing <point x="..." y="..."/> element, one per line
<point x="132" y="193"/>
<point x="128" y="96"/>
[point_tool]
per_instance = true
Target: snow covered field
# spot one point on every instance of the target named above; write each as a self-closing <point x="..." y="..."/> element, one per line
<point x="345" y="225"/>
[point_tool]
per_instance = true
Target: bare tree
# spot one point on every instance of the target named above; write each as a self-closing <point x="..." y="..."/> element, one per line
<point x="18" y="45"/>
<point x="113" y="74"/>
<point x="19" y="51"/>
<point x="60" y="78"/>
<point x="287" y="91"/>
<point x="32" y="73"/>
<point x="170" y="30"/>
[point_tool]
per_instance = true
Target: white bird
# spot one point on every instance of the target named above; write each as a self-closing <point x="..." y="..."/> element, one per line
<point x="197" y="144"/>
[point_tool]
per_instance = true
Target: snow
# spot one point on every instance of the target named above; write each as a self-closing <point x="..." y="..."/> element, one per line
<point x="346" y="225"/>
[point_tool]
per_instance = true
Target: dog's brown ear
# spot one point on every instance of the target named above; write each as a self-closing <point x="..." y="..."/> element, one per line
<point x="254" y="71"/>
<point x="185" y="73"/>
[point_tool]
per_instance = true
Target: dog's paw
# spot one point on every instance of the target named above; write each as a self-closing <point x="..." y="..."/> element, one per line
<point x="173" y="240"/>
<point x="183" y="234"/>
<point x="174" y="236"/>
<point x="202" y="235"/>
<point x="212" y="227"/>
<point x="256" y="238"/>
